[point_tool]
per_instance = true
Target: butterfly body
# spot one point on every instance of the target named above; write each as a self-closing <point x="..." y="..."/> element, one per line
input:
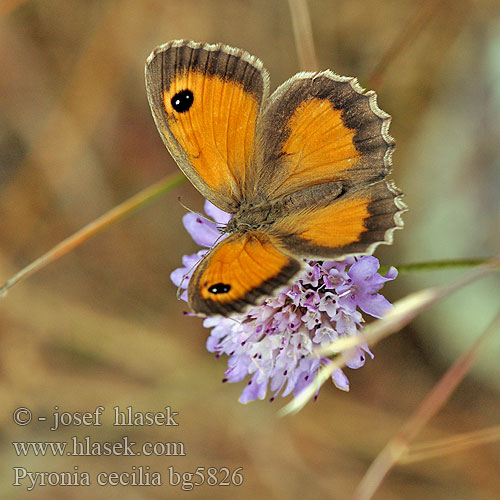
<point x="302" y="172"/>
<point x="256" y="216"/>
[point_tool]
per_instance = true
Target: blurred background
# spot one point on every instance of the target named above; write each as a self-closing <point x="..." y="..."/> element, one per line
<point x="102" y="326"/>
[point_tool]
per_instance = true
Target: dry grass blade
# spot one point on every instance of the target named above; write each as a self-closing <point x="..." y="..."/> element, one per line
<point x="302" y="31"/>
<point x="123" y="209"/>
<point x="399" y="445"/>
<point x="409" y="32"/>
<point x="453" y="444"/>
<point x="403" y="312"/>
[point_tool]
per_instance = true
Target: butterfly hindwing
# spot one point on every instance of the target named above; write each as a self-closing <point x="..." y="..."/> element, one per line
<point x="206" y="100"/>
<point x="238" y="272"/>
<point x="354" y="222"/>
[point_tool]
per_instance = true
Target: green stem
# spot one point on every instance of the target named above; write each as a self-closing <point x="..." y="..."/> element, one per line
<point x="436" y="265"/>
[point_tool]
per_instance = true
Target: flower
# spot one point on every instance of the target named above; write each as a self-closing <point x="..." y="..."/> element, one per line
<point x="272" y="342"/>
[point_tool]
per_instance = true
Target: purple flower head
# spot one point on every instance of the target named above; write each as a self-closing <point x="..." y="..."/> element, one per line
<point x="272" y="342"/>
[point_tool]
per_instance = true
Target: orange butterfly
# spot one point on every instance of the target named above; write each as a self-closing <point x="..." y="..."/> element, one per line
<point x="302" y="171"/>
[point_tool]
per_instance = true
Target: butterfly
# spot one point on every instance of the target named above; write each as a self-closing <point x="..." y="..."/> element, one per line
<point x="302" y="171"/>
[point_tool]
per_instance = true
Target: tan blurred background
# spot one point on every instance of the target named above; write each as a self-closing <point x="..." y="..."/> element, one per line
<point x="102" y="326"/>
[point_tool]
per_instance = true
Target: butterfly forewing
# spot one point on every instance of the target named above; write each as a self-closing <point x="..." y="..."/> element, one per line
<point x="206" y="100"/>
<point x="321" y="127"/>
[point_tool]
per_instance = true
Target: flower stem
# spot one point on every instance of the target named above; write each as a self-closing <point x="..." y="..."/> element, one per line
<point x="122" y="210"/>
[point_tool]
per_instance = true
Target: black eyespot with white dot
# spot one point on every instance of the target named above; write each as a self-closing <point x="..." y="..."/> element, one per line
<point x="182" y="101"/>
<point x="219" y="288"/>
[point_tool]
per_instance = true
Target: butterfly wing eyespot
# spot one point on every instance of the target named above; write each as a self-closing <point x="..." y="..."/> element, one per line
<point x="182" y="101"/>
<point x="219" y="288"/>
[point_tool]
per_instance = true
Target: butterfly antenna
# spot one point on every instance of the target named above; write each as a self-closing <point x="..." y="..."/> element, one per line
<point x="179" y="288"/>
<point x="184" y="278"/>
<point x="194" y="212"/>
<point x="214" y="244"/>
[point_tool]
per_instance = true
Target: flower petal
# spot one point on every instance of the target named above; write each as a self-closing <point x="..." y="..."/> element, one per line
<point x="355" y="359"/>
<point x="375" y="305"/>
<point x="177" y="276"/>
<point x="253" y="391"/>
<point x="364" y="269"/>
<point x="391" y="274"/>
<point x="340" y="380"/>
<point x="203" y="232"/>
<point x="218" y="215"/>
<point x="190" y="261"/>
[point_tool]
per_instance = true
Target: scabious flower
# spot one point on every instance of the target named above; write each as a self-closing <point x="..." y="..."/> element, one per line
<point x="272" y="342"/>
